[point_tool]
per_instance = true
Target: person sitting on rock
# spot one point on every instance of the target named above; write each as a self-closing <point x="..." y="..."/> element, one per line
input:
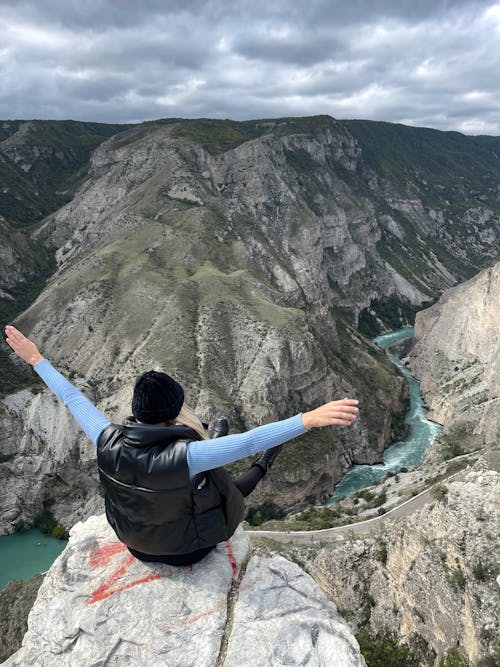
<point x="167" y="496"/>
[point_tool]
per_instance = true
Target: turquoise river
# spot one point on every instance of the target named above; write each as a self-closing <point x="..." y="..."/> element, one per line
<point x="27" y="553"/>
<point x="403" y="454"/>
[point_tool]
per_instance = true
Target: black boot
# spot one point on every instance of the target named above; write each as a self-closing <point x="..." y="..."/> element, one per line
<point x="267" y="458"/>
<point x="221" y="428"/>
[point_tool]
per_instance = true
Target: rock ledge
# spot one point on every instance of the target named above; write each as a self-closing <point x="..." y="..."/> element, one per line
<point x="98" y="605"/>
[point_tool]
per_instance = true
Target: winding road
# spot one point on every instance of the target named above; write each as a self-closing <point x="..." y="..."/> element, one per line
<point x="358" y="528"/>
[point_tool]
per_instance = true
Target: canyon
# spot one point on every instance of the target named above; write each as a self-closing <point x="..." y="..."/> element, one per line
<point x="249" y="260"/>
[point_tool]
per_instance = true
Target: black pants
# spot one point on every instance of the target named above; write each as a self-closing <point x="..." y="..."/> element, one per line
<point x="249" y="480"/>
<point x="246" y="483"/>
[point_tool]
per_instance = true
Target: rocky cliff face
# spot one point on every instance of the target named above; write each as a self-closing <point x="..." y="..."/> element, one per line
<point x="457" y="357"/>
<point x="44" y="461"/>
<point x="16" y="600"/>
<point x="241" y="257"/>
<point x="430" y="578"/>
<point x="99" y="605"/>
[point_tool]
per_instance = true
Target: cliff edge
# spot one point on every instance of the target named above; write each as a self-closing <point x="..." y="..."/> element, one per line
<point x="457" y="359"/>
<point x="98" y="605"/>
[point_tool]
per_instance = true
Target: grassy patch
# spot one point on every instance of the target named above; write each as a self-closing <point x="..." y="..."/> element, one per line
<point x="456" y="577"/>
<point x="381" y="552"/>
<point x="454" y="658"/>
<point x="457" y="440"/>
<point x="214" y="135"/>
<point x="480" y="570"/>
<point x="58" y="165"/>
<point x="313" y="518"/>
<point x="256" y="516"/>
<point x="439" y="492"/>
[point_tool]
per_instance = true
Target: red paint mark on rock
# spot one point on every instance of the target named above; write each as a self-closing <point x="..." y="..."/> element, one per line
<point x="232" y="559"/>
<point x="102" y="555"/>
<point x="105" y="590"/>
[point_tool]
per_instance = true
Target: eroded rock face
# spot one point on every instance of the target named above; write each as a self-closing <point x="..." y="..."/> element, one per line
<point x="47" y="460"/>
<point x="457" y="357"/>
<point x="99" y="605"/>
<point x="430" y="577"/>
<point x="16" y="600"/>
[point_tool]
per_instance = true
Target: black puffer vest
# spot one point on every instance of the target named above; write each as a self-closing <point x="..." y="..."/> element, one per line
<point x="151" y="503"/>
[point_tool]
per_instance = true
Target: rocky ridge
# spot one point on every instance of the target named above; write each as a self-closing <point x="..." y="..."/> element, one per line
<point x="241" y="257"/>
<point x="457" y="358"/>
<point x="99" y="605"/>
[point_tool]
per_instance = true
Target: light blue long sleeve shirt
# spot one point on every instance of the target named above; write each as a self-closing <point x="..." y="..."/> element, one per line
<point x="202" y="455"/>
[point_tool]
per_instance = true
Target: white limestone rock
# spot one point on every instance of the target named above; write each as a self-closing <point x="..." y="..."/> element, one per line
<point x="184" y="192"/>
<point x="47" y="457"/>
<point x="430" y="577"/>
<point x="456" y="356"/>
<point x="98" y="605"/>
<point x="282" y="617"/>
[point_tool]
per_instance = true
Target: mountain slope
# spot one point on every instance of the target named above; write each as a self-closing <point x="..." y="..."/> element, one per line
<point x="42" y="163"/>
<point x="241" y="258"/>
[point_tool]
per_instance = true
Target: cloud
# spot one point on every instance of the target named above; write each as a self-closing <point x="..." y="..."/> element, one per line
<point x="425" y="63"/>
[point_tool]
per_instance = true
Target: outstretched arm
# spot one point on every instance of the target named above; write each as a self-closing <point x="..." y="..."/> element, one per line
<point x="86" y="414"/>
<point x="207" y="454"/>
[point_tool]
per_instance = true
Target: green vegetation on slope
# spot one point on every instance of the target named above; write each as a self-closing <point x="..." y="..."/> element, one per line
<point x="47" y="523"/>
<point x="41" y="168"/>
<point x="383" y="649"/>
<point x="443" y="163"/>
<point x="218" y="136"/>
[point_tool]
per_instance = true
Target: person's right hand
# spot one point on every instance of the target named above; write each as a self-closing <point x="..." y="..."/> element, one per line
<point x="341" y="413"/>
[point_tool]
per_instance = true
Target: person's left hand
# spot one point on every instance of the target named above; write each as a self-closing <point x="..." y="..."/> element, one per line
<point x="22" y="346"/>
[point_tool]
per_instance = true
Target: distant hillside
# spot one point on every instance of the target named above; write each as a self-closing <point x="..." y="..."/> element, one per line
<point x="250" y="260"/>
<point x="455" y="175"/>
<point x="435" y="194"/>
<point x="42" y="163"/>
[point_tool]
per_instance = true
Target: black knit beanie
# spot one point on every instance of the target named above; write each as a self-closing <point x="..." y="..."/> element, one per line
<point x="157" y="398"/>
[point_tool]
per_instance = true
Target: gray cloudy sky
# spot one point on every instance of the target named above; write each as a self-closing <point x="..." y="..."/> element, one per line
<point x="422" y="62"/>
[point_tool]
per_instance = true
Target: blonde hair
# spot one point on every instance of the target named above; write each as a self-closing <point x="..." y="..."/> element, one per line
<point x="187" y="417"/>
